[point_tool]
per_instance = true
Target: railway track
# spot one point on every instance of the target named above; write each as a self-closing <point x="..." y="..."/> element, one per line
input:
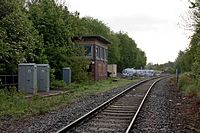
<point x="115" y="115"/>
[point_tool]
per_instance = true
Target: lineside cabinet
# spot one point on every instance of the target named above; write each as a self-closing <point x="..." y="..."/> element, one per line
<point x="27" y="77"/>
<point x="43" y="79"/>
<point x="67" y="75"/>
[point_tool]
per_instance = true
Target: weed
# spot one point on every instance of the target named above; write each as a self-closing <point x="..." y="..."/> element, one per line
<point x="15" y="104"/>
<point x="189" y="85"/>
<point x="58" y="84"/>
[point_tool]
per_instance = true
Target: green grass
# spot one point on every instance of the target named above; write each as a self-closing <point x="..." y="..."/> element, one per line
<point x="189" y="85"/>
<point x="15" y="104"/>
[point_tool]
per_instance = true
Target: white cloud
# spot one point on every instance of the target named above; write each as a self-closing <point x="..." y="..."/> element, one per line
<point x="135" y="23"/>
<point x="153" y="24"/>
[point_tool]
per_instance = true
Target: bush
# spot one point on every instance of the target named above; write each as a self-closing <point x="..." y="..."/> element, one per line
<point x="58" y="84"/>
<point x="79" y="69"/>
<point x="186" y="79"/>
<point x="189" y="84"/>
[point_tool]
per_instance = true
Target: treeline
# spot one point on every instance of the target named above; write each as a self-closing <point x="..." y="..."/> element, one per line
<point x="168" y="67"/>
<point x="40" y="31"/>
<point x="188" y="61"/>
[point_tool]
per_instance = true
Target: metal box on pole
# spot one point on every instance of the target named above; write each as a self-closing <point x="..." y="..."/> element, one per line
<point x="43" y="81"/>
<point x="67" y="75"/>
<point x="27" y="77"/>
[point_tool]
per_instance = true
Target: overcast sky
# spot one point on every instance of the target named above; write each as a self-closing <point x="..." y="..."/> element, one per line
<point x="153" y="24"/>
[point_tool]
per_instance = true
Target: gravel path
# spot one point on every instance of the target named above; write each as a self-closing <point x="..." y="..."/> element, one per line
<point x="53" y="121"/>
<point x="163" y="111"/>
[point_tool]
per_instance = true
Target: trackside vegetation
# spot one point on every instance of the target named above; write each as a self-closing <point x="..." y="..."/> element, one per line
<point x="189" y="85"/>
<point x="16" y="105"/>
<point x="41" y="31"/>
<point x="188" y="61"/>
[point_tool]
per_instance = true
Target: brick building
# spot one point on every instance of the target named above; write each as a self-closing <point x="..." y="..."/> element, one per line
<point x="96" y="48"/>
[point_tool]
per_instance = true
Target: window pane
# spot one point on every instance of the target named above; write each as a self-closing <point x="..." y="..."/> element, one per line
<point x="100" y="53"/>
<point x="103" y="51"/>
<point x="99" y="56"/>
<point x="106" y="54"/>
<point x="97" y="52"/>
<point x="88" y="50"/>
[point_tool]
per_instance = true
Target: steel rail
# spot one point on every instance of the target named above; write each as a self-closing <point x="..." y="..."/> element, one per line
<point x="100" y="107"/>
<point x="141" y="104"/>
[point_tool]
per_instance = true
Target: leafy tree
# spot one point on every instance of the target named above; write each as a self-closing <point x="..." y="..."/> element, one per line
<point x="194" y="54"/>
<point x="184" y="61"/>
<point x="57" y="26"/>
<point x="123" y="50"/>
<point x="79" y="64"/>
<point x="9" y="6"/>
<point x="189" y="60"/>
<point x="140" y="59"/>
<point x="40" y="31"/>
<point x="20" y="40"/>
<point x="95" y="27"/>
<point x="113" y="50"/>
<point x="48" y="21"/>
<point x="130" y="56"/>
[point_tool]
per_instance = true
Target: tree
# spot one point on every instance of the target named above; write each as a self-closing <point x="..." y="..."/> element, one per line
<point x="189" y="60"/>
<point x="20" y="40"/>
<point x="40" y="31"/>
<point x="9" y="6"/>
<point x="140" y="58"/>
<point x="57" y="26"/>
<point x="113" y="49"/>
<point x="184" y="61"/>
<point x="192" y="55"/>
<point x="130" y="55"/>
<point x="93" y="26"/>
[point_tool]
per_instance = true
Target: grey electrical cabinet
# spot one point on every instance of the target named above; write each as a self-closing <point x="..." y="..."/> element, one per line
<point x="43" y="82"/>
<point x="67" y="75"/>
<point x="27" y="77"/>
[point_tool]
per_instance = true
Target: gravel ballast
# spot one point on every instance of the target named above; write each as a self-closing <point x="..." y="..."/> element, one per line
<point x="163" y="111"/>
<point x="55" y="120"/>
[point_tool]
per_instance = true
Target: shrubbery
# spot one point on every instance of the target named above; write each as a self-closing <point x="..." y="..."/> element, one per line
<point x="41" y="31"/>
<point x="13" y="103"/>
<point x="189" y="84"/>
<point x="189" y="60"/>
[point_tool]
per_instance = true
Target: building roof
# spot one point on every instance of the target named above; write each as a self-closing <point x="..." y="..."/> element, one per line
<point x="89" y="37"/>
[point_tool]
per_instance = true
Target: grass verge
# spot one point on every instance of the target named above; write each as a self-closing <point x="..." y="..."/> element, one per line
<point x="189" y="85"/>
<point x="16" y="105"/>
